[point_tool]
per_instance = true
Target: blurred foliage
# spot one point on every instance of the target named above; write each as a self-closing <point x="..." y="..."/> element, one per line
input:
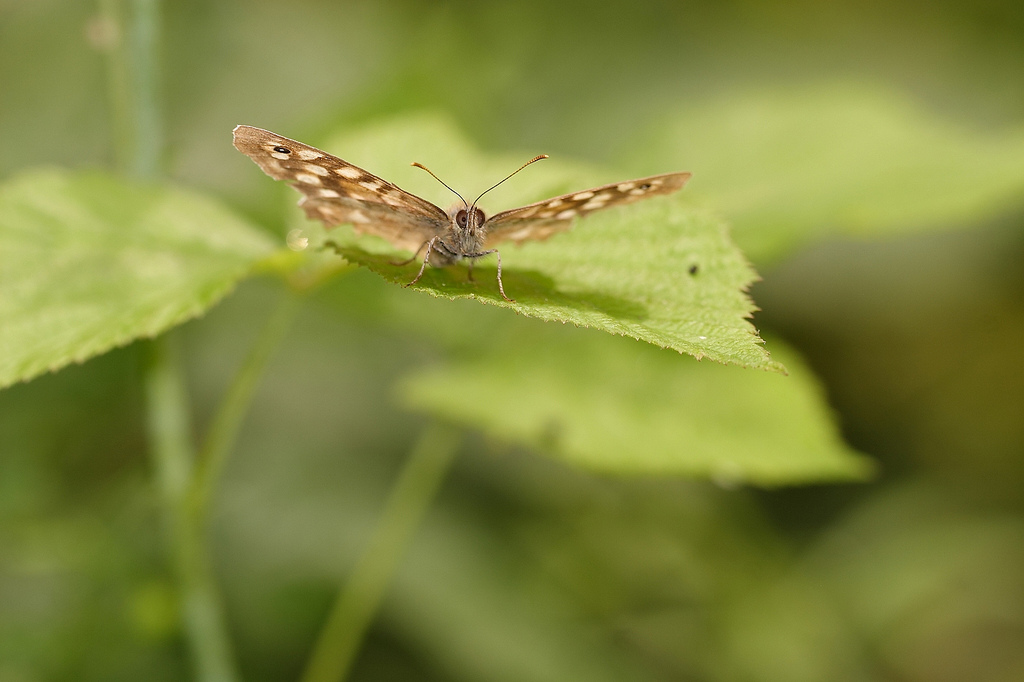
<point x="870" y="157"/>
<point x="763" y="164"/>
<point x="626" y="408"/>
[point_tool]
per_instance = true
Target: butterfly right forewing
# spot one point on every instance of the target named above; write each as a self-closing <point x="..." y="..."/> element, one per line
<point x="335" y="191"/>
<point x="542" y="219"/>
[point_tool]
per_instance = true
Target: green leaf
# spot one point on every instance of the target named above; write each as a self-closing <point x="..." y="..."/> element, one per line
<point x="91" y="262"/>
<point x="790" y="167"/>
<point x="659" y="271"/>
<point x="626" y="408"/>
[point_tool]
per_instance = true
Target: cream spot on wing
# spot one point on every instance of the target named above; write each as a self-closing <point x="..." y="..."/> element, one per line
<point x="625" y="186"/>
<point x="371" y="185"/>
<point x="329" y="194"/>
<point x="554" y="203"/>
<point x="391" y="199"/>
<point x="582" y="195"/>
<point x="315" y="169"/>
<point x="308" y="154"/>
<point x="597" y="202"/>
<point x="349" y="172"/>
<point x="307" y="178"/>
<point x="545" y="214"/>
<point x="279" y="155"/>
<point x="523" y="233"/>
<point x="358" y="217"/>
<point x="566" y="214"/>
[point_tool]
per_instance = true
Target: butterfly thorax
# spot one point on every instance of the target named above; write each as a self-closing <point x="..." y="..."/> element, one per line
<point x="463" y="238"/>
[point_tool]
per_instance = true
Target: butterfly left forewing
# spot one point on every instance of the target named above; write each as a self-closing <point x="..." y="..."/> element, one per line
<point x="336" y="191"/>
<point x="542" y="219"/>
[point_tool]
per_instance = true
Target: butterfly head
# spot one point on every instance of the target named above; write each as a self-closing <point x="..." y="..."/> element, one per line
<point x="471" y="218"/>
<point x="466" y="232"/>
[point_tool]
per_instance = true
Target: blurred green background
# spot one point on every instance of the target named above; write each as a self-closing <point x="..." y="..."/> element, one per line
<point x="870" y="157"/>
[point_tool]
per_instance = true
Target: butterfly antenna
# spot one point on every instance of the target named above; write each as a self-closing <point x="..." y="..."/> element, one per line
<point x="420" y="165"/>
<point x="534" y="159"/>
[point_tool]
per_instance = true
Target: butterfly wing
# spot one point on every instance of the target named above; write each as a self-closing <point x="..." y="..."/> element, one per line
<point x="545" y="218"/>
<point x="336" y="192"/>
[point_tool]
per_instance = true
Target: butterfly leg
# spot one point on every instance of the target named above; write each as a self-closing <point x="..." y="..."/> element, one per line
<point x="414" y="256"/>
<point x="426" y="257"/>
<point x="470" y="268"/>
<point x="501" y="287"/>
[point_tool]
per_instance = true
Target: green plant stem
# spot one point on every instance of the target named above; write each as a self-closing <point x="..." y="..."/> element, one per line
<point x="187" y="483"/>
<point x="142" y="53"/>
<point x="167" y="423"/>
<point x="135" y="112"/>
<point x="169" y="438"/>
<point x="110" y="27"/>
<point x="223" y="431"/>
<point x="360" y="597"/>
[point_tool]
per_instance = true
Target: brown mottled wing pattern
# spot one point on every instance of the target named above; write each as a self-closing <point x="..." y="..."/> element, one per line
<point x="545" y="218"/>
<point x="335" y="192"/>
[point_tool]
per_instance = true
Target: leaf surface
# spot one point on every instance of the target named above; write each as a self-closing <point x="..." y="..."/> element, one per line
<point x="89" y="262"/>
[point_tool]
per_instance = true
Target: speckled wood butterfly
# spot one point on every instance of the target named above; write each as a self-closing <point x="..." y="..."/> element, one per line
<point x="335" y="192"/>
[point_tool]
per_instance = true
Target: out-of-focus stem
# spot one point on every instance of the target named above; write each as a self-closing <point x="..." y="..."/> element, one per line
<point x="134" y="26"/>
<point x="360" y="596"/>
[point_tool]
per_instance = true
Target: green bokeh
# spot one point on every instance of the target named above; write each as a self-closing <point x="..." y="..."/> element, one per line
<point x="868" y="156"/>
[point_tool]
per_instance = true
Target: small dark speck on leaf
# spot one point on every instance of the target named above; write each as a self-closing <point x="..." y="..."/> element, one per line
<point x="694" y="269"/>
